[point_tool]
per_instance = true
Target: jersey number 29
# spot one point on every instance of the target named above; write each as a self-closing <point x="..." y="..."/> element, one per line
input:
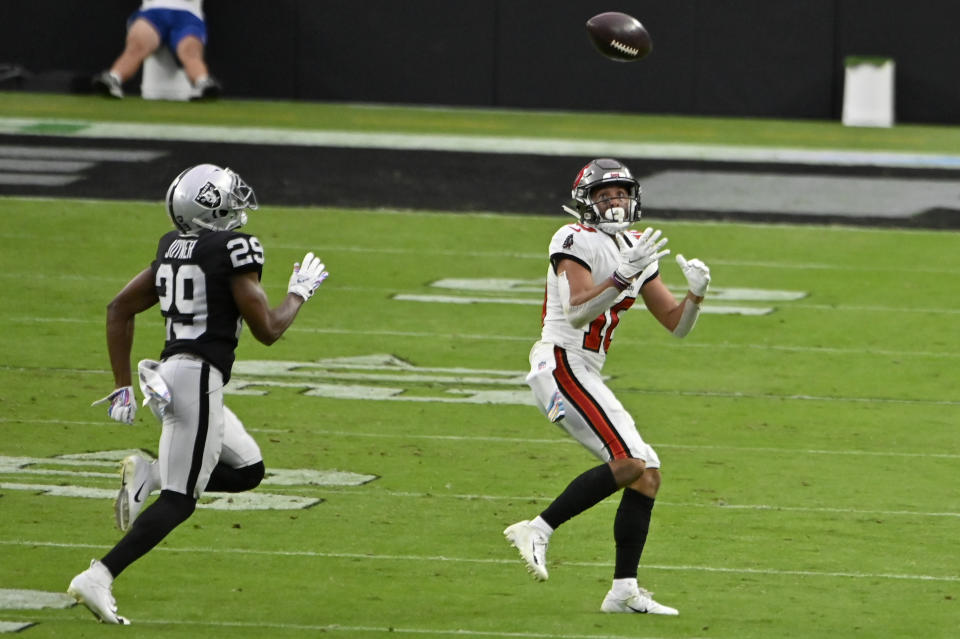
<point x="183" y="300"/>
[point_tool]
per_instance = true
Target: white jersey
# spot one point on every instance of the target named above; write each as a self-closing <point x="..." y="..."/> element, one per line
<point x="193" y="6"/>
<point x="565" y="364"/>
<point x="597" y="252"/>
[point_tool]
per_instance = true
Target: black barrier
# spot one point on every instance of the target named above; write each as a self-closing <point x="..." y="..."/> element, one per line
<point x="750" y="58"/>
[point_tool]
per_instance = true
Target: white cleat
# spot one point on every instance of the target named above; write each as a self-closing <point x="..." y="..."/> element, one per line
<point x="137" y="482"/>
<point x="532" y="544"/>
<point x="639" y="601"/>
<point x="92" y="588"/>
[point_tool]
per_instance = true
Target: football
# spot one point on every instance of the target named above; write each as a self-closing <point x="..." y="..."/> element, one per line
<point x="619" y="36"/>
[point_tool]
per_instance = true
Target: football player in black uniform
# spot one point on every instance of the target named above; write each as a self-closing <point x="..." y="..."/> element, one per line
<point x="206" y="278"/>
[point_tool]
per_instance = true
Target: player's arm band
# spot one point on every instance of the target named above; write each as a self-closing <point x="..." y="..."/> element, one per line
<point x="691" y="311"/>
<point x="582" y="314"/>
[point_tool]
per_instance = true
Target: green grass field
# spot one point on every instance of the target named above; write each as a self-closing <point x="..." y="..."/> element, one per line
<point x="810" y="453"/>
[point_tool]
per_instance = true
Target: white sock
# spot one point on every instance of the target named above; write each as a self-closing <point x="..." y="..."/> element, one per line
<point x="624" y="586"/>
<point x="542" y="526"/>
<point x="116" y="77"/>
<point x="103" y="571"/>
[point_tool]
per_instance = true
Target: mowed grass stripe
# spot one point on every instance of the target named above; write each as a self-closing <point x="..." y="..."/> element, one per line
<point x="687" y="344"/>
<point x="496" y="561"/>
<point x="773" y="508"/>
<point x="512" y="441"/>
<point x="496" y="255"/>
<point x="53" y="617"/>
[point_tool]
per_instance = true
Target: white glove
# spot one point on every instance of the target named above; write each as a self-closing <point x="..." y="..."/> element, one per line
<point x="123" y="407"/>
<point x="697" y="274"/>
<point x="306" y="276"/>
<point x="634" y="259"/>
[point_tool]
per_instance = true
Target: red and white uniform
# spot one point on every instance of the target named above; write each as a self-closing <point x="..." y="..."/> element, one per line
<point x="566" y="364"/>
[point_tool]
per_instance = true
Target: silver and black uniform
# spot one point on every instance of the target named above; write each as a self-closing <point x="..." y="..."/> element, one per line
<point x="192" y="276"/>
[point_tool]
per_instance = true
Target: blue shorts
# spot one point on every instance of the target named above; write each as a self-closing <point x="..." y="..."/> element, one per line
<point x="173" y="25"/>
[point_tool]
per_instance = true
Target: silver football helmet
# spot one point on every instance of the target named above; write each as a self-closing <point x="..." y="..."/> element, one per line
<point x="600" y="173"/>
<point x="208" y="198"/>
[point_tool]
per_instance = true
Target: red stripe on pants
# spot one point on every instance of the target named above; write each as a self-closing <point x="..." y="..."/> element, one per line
<point x="578" y="396"/>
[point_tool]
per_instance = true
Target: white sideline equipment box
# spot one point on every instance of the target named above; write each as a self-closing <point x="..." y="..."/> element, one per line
<point x="868" y="93"/>
<point x="163" y="79"/>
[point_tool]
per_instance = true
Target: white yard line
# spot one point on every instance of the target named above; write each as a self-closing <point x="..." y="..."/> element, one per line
<point x="475" y="143"/>
<point x="824" y="350"/>
<point x="539" y="441"/>
<point x="660" y="503"/>
<point x="25" y="543"/>
<point x="323" y="629"/>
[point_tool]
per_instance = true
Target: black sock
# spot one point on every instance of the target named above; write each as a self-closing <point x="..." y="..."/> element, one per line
<point x="630" y="528"/>
<point x="154" y="523"/>
<point x="590" y="488"/>
<point x="225" y="479"/>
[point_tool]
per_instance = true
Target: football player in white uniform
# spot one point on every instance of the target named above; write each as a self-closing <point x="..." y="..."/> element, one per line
<point x="176" y="24"/>
<point x="206" y="279"/>
<point x="598" y="267"/>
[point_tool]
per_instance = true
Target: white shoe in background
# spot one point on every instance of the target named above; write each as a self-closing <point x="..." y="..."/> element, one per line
<point x="140" y="477"/>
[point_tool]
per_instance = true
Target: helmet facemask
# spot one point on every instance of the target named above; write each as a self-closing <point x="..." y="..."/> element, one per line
<point x="206" y="197"/>
<point x="599" y="174"/>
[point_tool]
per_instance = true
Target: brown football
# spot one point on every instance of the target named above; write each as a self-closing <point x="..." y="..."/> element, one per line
<point x="619" y="36"/>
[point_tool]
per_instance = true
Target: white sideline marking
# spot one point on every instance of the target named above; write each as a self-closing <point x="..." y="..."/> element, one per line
<point x="511" y="561"/>
<point x="478" y="143"/>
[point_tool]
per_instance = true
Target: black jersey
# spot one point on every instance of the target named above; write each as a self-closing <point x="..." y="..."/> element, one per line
<point x="192" y="276"/>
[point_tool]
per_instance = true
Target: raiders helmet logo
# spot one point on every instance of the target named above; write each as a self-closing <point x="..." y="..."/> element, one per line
<point x="567" y="243"/>
<point x="209" y="196"/>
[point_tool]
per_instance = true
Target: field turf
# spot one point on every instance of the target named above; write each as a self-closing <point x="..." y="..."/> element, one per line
<point x="809" y="454"/>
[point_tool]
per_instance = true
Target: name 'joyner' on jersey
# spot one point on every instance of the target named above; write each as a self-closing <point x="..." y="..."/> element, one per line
<point x="206" y="279"/>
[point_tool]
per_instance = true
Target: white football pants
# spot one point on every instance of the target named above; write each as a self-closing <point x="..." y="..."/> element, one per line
<point x="198" y="430"/>
<point x="591" y="413"/>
